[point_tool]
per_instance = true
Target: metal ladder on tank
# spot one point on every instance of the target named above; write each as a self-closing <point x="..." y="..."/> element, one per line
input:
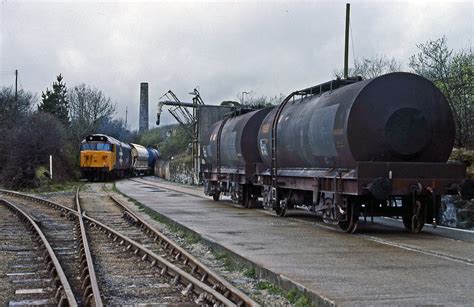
<point x="274" y="164"/>
<point x="218" y="143"/>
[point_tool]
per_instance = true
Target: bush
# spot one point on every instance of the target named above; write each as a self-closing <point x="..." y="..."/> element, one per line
<point x="29" y="149"/>
<point x="465" y="156"/>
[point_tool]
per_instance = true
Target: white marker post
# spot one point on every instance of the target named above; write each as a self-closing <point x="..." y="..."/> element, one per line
<point x="50" y="166"/>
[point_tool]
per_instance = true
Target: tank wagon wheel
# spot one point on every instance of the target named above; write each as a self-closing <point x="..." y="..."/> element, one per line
<point x="234" y="197"/>
<point x="252" y="202"/>
<point x="281" y="212"/>
<point x="246" y="197"/>
<point x="414" y="222"/>
<point x="249" y="199"/>
<point x="352" y="217"/>
<point x="246" y="202"/>
<point x="282" y="208"/>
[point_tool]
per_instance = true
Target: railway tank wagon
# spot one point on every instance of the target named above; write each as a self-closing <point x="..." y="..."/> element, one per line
<point x="231" y="155"/>
<point x="140" y="158"/>
<point x="347" y="148"/>
<point x="153" y="155"/>
<point x="103" y="157"/>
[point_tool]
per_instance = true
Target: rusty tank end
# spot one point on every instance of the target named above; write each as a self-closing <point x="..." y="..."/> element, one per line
<point x="238" y="141"/>
<point x="397" y="117"/>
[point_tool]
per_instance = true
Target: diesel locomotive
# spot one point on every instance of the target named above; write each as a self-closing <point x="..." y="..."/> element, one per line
<point x="104" y="157"/>
<point x="343" y="149"/>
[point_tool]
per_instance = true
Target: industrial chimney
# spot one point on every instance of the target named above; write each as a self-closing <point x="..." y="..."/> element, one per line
<point x="143" y="123"/>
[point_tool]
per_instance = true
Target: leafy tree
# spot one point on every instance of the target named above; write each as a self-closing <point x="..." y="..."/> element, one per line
<point x="369" y="68"/>
<point x="171" y="140"/>
<point x="452" y="73"/>
<point x="55" y="101"/>
<point x="154" y="137"/>
<point x="177" y="143"/>
<point x="89" y="109"/>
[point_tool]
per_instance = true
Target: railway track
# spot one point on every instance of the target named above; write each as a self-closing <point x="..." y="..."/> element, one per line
<point x="124" y="272"/>
<point x="35" y="275"/>
<point x="113" y="211"/>
<point x="134" y="263"/>
<point x="64" y="228"/>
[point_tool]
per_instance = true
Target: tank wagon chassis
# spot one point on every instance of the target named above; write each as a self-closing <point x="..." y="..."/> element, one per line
<point x="342" y="196"/>
<point x="337" y="172"/>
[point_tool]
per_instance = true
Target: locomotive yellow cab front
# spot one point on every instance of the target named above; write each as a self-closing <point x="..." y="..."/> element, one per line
<point x="103" y="157"/>
<point x="97" y="159"/>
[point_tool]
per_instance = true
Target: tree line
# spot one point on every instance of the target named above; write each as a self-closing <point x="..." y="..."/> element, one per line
<point x="56" y="126"/>
<point x="34" y="128"/>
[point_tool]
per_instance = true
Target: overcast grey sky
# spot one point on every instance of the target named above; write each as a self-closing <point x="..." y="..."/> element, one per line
<point x="223" y="47"/>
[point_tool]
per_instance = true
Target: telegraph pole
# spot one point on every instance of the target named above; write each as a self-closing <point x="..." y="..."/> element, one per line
<point x="16" y="84"/>
<point x="346" y="45"/>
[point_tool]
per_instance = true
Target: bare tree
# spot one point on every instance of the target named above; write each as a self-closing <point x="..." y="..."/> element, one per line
<point x="452" y="73"/>
<point x="14" y="113"/>
<point x="116" y="128"/>
<point x="369" y="68"/>
<point x="252" y="100"/>
<point x="14" y="109"/>
<point x="88" y="109"/>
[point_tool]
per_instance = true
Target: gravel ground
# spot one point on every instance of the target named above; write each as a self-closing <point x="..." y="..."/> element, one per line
<point x="258" y="289"/>
<point x="7" y="256"/>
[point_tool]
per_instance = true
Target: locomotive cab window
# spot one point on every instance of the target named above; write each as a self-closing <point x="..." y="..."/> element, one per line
<point x="103" y="146"/>
<point x="88" y="146"/>
<point x="96" y="146"/>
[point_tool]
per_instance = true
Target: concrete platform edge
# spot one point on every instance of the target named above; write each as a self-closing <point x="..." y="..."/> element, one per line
<point x="281" y="281"/>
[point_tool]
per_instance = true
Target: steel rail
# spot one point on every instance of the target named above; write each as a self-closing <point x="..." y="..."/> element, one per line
<point x="64" y="295"/>
<point x="90" y="284"/>
<point x="205" y="292"/>
<point x="179" y="276"/>
<point x="207" y="275"/>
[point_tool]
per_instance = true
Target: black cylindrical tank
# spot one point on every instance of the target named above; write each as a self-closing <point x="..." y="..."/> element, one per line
<point x="238" y="142"/>
<point x="394" y="117"/>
